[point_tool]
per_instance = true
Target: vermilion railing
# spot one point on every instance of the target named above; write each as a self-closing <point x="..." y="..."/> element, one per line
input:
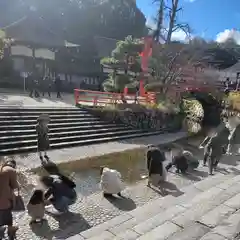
<point x="96" y="98"/>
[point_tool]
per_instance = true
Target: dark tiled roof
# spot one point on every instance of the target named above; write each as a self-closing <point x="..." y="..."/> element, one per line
<point x="33" y="30"/>
<point x="104" y="46"/>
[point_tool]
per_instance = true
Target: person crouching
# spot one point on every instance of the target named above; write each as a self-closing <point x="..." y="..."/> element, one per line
<point x="156" y="171"/>
<point x="111" y="182"/>
<point x="179" y="161"/>
<point x="192" y="161"/>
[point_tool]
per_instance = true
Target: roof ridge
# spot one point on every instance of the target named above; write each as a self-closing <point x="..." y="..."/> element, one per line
<point x="14" y="23"/>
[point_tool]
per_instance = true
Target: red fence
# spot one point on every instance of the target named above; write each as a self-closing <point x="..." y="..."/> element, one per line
<point x="95" y="98"/>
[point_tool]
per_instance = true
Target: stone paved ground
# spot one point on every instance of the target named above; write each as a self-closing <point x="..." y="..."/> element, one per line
<point x="23" y="100"/>
<point x="94" y="209"/>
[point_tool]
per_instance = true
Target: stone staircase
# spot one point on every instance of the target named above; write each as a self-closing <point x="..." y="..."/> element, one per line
<point x="208" y="210"/>
<point x="68" y="127"/>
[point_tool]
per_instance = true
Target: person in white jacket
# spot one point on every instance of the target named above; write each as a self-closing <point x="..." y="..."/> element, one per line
<point x="111" y="182"/>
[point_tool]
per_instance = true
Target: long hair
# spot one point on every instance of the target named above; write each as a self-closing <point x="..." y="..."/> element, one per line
<point x="37" y="197"/>
<point x="47" y="181"/>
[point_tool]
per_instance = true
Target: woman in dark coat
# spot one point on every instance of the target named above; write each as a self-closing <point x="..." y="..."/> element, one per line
<point x="156" y="170"/>
<point x="42" y="135"/>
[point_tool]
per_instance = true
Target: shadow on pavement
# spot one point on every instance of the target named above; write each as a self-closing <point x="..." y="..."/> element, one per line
<point x="69" y="224"/>
<point x="229" y="160"/>
<point x="124" y="204"/>
<point x="235" y="171"/>
<point x="42" y="230"/>
<point x="168" y="188"/>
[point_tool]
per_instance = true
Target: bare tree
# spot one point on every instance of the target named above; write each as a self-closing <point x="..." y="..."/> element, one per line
<point x="158" y="32"/>
<point x="170" y="64"/>
<point x="165" y="31"/>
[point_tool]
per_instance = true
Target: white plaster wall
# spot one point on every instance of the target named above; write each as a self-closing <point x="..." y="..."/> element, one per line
<point x="19" y="50"/>
<point x="44" y="54"/>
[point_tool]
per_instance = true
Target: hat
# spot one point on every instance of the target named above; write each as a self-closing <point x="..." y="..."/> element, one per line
<point x="10" y="163"/>
<point x="43" y="117"/>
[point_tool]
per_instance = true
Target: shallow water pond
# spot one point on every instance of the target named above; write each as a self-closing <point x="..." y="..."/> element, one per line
<point x="131" y="166"/>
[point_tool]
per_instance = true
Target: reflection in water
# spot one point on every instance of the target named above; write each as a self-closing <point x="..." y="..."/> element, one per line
<point x="87" y="181"/>
<point x="133" y="169"/>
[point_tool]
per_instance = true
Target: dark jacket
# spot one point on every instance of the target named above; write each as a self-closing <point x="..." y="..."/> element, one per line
<point x="59" y="189"/>
<point x="214" y="147"/>
<point x="154" y="161"/>
<point x="180" y="162"/>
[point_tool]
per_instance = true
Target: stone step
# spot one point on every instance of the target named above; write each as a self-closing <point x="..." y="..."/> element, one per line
<point x="67" y="132"/>
<point x="25" y="122"/>
<point x="31" y="117"/>
<point x="24" y="109"/>
<point x="69" y="138"/>
<point x="66" y="142"/>
<point x="207" y="210"/>
<point x="57" y="129"/>
<point x="51" y="125"/>
<point x="68" y="127"/>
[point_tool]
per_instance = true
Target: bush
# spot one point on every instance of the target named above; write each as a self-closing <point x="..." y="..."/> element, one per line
<point x="116" y="84"/>
<point x="233" y="100"/>
<point x="143" y="118"/>
<point x="154" y="87"/>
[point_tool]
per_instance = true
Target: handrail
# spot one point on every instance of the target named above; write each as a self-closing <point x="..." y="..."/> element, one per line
<point x="96" y="97"/>
<point x="101" y="93"/>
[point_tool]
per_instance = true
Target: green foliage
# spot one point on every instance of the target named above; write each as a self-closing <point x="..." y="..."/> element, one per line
<point x="109" y="61"/>
<point x="116" y="84"/>
<point x="2" y="43"/>
<point x="130" y="47"/>
<point x="154" y="87"/>
<point x="132" y="86"/>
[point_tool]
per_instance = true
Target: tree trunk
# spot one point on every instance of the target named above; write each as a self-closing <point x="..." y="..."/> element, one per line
<point x="172" y="19"/>
<point x="160" y="21"/>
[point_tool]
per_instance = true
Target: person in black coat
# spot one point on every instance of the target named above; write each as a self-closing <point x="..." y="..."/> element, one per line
<point x="58" y="84"/>
<point x="156" y="170"/>
<point x="180" y="162"/>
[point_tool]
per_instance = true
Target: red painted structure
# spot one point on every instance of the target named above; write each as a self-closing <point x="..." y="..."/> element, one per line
<point x="95" y="98"/>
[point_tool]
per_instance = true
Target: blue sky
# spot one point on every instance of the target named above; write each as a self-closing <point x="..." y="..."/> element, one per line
<point x="207" y="18"/>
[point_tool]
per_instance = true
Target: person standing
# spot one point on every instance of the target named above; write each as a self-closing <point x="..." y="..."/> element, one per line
<point x="42" y="136"/>
<point x="213" y="153"/>
<point x="45" y="86"/>
<point x="9" y="183"/>
<point x="33" y="87"/>
<point x="233" y="126"/>
<point x="58" y="85"/>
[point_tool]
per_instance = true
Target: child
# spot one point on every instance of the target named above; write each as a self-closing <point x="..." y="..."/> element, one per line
<point x="36" y="206"/>
<point x="42" y="135"/>
<point x="110" y="182"/>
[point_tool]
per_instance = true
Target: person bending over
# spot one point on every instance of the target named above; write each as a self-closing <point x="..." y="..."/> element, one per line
<point x="156" y="171"/>
<point x="59" y="192"/>
<point x="180" y="162"/>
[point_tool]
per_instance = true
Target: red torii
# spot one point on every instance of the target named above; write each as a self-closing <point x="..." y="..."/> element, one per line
<point x="145" y="55"/>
